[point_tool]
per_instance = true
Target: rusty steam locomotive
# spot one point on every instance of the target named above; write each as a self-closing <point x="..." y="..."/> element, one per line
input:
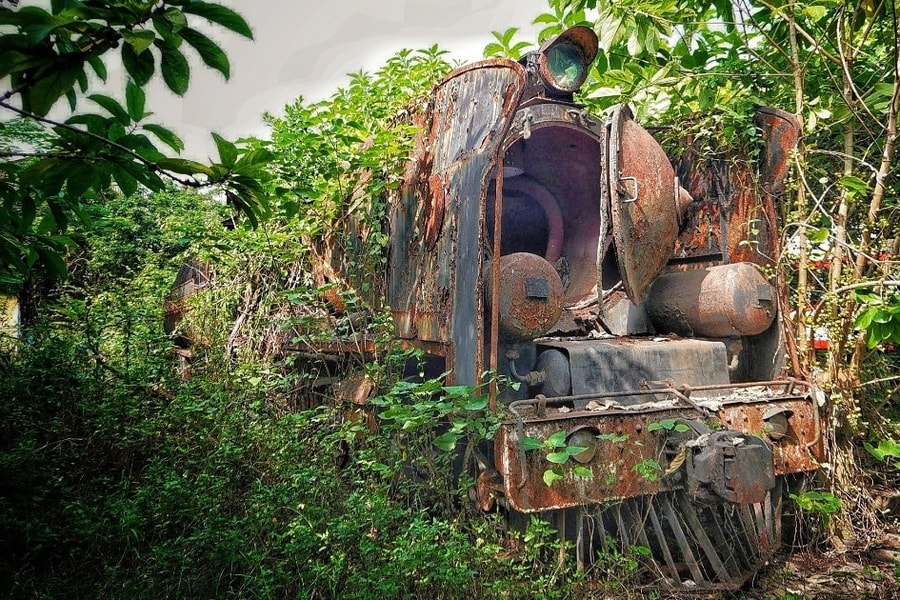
<point x="558" y="249"/>
<point x="542" y="244"/>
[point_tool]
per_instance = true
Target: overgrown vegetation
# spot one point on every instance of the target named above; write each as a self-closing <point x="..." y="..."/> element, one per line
<point x="120" y="478"/>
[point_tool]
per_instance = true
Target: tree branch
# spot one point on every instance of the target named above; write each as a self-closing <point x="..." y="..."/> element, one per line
<point x="152" y="166"/>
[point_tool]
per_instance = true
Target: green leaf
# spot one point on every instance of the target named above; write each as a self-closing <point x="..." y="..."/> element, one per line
<point x="126" y="182"/>
<point x="176" y="18"/>
<point x="447" y="441"/>
<point x="53" y="260"/>
<point x="140" y="66"/>
<point x="113" y="107"/>
<point x="259" y="157"/>
<point x="25" y="16"/>
<point x="817" y="236"/>
<point x="477" y="404"/>
<point x="220" y="15"/>
<point x="531" y="443"/>
<point x="174" y="66"/>
<point x="40" y="97"/>
<point x="95" y="123"/>
<point x="583" y="472"/>
<point x="212" y="55"/>
<point x="166" y="136"/>
<point x="228" y="152"/>
<point x="558" y="458"/>
<point x="98" y="65"/>
<point x="557" y="440"/>
<point x="79" y="183"/>
<point x="552" y="475"/>
<point x="139" y="39"/>
<point x="134" y="100"/>
<point x="854" y="184"/>
<point x="815" y="12"/>
<point x="184" y="166"/>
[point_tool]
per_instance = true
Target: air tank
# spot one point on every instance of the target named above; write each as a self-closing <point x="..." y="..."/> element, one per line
<point x="722" y="301"/>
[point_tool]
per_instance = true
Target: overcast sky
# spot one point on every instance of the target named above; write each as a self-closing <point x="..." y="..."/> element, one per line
<point x="306" y="48"/>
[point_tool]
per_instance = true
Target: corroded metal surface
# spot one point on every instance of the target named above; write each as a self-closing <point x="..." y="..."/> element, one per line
<point x="645" y="203"/>
<point x="613" y="468"/>
<point x="734" y="216"/>
<point x="436" y="219"/>
<point x="635" y="455"/>
<point x="531" y="294"/>
<point x="721" y="301"/>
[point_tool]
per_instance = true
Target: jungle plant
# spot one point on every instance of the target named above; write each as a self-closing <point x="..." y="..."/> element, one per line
<point x="48" y="55"/>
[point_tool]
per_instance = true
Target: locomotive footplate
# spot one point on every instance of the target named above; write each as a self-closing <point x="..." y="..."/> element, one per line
<point x="727" y="446"/>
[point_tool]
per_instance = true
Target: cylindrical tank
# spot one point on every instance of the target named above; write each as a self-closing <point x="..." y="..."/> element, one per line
<point x="531" y="295"/>
<point x="721" y="301"/>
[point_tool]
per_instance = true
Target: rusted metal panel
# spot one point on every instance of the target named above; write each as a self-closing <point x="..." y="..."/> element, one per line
<point x="645" y="203"/>
<point x="800" y="450"/>
<point x="614" y="467"/>
<point x="531" y="294"/>
<point x="635" y="457"/>
<point x="436" y="219"/>
<point x="734" y="215"/>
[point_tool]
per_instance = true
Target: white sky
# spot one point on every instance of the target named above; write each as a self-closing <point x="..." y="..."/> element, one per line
<point x="306" y="48"/>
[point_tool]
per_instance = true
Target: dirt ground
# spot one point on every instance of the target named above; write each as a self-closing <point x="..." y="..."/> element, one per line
<point x="869" y="574"/>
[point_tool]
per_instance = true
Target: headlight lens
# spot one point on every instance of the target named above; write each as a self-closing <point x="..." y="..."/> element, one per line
<point x="566" y="67"/>
<point x="584" y="438"/>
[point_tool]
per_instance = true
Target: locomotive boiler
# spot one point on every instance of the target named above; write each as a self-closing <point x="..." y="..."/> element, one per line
<point x="632" y="304"/>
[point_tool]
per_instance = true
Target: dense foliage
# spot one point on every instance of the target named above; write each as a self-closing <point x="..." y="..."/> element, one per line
<point x="119" y="477"/>
<point x="51" y="177"/>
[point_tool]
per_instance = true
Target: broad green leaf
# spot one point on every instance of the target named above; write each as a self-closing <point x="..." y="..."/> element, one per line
<point x="40" y="97"/>
<point x="557" y="440"/>
<point x="220" y="15"/>
<point x="817" y="236"/>
<point x="228" y="152"/>
<point x="134" y="100"/>
<point x="176" y="18"/>
<point x="27" y="15"/>
<point x="166" y="136"/>
<point x="53" y="260"/>
<point x="139" y="39"/>
<point x="113" y="107"/>
<point x="184" y="166"/>
<point x="477" y="404"/>
<point x="582" y="472"/>
<point x="210" y="52"/>
<point x="95" y="123"/>
<point x="174" y="66"/>
<point x="98" y="65"/>
<point x="855" y="184"/>
<point x="551" y="475"/>
<point x="558" y="458"/>
<point x="254" y="159"/>
<point x="447" y="441"/>
<point x="15" y="61"/>
<point x="531" y="443"/>
<point x="140" y="66"/>
<point x="126" y="182"/>
<point x="815" y="12"/>
<point x="80" y="182"/>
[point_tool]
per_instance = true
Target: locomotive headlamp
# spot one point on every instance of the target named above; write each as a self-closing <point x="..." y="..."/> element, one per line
<point x="564" y="61"/>
<point x="583" y="438"/>
<point x="776" y="420"/>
